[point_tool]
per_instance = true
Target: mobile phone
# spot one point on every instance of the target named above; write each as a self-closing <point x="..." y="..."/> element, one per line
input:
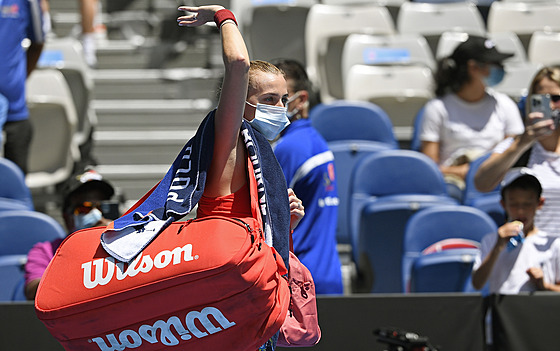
<point x="541" y="103"/>
<point x="110" y="209"/>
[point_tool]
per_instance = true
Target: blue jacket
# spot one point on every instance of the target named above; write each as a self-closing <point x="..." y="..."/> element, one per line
<point x="308" y="167"/>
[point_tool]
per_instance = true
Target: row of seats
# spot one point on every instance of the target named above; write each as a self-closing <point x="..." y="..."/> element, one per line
<point x="381" y="187"/>
<point x="21" y="227"/>
<point x="360" y="52"/>
<point x="58" y="96"/>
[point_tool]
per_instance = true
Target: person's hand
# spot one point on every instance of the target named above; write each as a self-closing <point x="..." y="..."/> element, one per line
<point x="297" y="210"/>
<point x="507" y="231"/>
<point x="536" y="128"/>
<point x="199" y="15"/>
<point x="536" y="275"/>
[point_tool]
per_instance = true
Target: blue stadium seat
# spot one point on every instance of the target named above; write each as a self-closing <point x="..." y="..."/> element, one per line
<point x="13" y="184"/>
<point x="20" y="230"/>
<point x="12" y="277"/>
<point x="387" y="187"/>
<point x="347" y="153"/>
<point x="380" y="238"/>
<point x="415" y="142"/>
<point x="488" y="202"/>
<point x="438" y="223"/>
<point x="353" y="120"/>
<point x="443" y="271"/>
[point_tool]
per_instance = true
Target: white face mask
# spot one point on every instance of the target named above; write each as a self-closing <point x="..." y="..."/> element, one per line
<point x="295" y="111"/>
<point x="269" y="120"/>
<point x="88" y="220"/>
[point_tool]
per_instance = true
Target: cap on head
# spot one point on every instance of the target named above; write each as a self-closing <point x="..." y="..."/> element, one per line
<point x="518" y="175"/>
<point x="88" y="180"/>
<point x="479" y="49"/>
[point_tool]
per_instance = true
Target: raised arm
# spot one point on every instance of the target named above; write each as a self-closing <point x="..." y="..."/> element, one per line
<point x="493" y="170"/>
<point x="226" y="173"/>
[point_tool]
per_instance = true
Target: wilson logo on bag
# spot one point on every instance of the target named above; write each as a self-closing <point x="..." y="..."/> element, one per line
<point x="184" y="331"/>
<point x="200" y="284"/>
<point x="142" y="264"/>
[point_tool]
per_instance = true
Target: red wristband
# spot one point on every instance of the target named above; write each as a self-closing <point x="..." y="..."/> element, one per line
<point x="223" y="15"/>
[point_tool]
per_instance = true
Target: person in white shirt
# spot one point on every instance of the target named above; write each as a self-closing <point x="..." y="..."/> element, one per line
<point x="467" y="119"/>
<point x="538" y="148"/>
<point x="519" y="257"/>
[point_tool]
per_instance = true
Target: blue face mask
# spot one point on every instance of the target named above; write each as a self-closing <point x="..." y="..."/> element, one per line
<point x="269" y="120"/>
<point x="495" y="77"/>
<point x="88" y="220"/>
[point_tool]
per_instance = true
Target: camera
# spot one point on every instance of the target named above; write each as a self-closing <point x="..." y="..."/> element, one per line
<point x="401" y="340"/>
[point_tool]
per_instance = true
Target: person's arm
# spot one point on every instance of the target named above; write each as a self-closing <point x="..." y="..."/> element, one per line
<point x="536" y="275"/>
<point x="297" y="210"/>
<point x="33" y="54"/>
<point x="226" y="160"/>
<point x="480" y="276"/>
<point x="31" y="288"/>
<point x="493" y="170"/>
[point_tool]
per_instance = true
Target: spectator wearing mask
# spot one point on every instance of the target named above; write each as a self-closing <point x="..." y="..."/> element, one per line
<point x="467" y="118"/>
<point x="81" y="209"/>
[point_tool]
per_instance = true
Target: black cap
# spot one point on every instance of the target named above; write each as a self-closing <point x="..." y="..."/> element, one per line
<point x="479" y="49"/>
<point x="90" y="179"/>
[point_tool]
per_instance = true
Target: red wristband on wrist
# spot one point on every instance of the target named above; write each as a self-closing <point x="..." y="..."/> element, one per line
<point x="223" y="15"/>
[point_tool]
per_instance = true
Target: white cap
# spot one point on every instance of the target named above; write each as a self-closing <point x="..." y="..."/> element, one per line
<point x="515" y="173"/>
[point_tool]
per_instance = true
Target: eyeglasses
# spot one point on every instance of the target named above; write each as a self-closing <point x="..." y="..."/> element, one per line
<point x="85" y="207"/>
<point x="555" y="98"/>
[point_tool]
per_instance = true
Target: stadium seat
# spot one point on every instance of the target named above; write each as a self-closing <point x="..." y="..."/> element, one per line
<point x="347" y="153"/>
<point x="53" y="150"/>
<point x="378" y="250"/>
<point x="443" y="272"/>
<point x="401" y="91"/>
<point x="523" y="18"/>
<point x="13" y="189"/>
<point x="386" y="189"/>
<point x="353" y="120"/>
<point x="12" y="277"/>
<point x="431" y="20"/>
<point x="399" y="49"/>
<point x="66" y="55"/>
<point x="415" y="142"/>
<point x="20" y="230"/>
<point x="280" y="20"/>
<point x="488" y="202"/>
<point x="326" y="30"/>
<point x="544" y="48"/>
<point x="437" y="224"/>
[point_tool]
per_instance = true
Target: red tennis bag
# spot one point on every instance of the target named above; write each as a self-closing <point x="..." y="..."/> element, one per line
<point x="205" y="284"/>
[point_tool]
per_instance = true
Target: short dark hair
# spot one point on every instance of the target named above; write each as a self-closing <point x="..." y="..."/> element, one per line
<point x="296" y="72"/>
<point x="525" y="182"/>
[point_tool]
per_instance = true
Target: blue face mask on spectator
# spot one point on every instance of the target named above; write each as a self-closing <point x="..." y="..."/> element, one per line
<point x="87" y="220"/>
<point x="269" y="120"/>
<point x="495" y="77"/>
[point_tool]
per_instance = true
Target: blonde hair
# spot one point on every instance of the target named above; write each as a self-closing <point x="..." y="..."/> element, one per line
<point x="550" y="72"/>
<point x="261" y="66"/>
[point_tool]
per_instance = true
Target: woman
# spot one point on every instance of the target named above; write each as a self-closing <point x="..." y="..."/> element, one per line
<point x="541" y="143"/>
<point x="257" y="92"/>
<point x="467" y="119"/>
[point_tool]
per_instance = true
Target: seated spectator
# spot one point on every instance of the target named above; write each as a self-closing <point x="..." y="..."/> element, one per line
<point x="81" y="209"/>
<point x="467" y="119"/>
<point x="308" y="165"/>
<point x="537" y="149"/>
<point x="519" y="257"/>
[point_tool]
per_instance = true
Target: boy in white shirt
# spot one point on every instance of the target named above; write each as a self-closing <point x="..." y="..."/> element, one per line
<point x="512" y="263"/>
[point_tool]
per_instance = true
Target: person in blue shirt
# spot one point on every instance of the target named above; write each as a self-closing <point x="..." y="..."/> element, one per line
<point x="19" y="20"/>
<point x="308" y="166"/>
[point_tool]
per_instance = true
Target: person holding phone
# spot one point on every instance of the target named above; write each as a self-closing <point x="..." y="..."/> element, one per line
<point x="538" y="148"/>
<point x="84" y="205"/>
